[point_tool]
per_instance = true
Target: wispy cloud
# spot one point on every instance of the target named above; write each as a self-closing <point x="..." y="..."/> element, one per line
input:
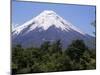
<point x="14" y="26"/>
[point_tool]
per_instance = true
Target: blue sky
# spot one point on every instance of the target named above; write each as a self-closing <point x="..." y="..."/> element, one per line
<point x="79" y="15"/>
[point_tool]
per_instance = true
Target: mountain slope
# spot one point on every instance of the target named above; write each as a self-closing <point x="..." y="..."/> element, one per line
<point x="48" y="26"/>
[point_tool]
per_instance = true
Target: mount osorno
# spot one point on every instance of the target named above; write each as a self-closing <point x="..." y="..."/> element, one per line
<point x="48" y="26"/>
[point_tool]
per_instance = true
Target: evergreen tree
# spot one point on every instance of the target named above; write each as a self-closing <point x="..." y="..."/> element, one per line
<point x="76" y="49"/>
<point x="45" y="46"/>
<point x="56" y="47"/>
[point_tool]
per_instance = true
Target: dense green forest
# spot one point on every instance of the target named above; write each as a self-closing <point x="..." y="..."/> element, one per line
<point x="52" y="57"/>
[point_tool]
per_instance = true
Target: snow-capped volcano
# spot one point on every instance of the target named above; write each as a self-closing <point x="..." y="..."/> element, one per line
<point x="47" y="26"/>
<point x="45" y="20"/>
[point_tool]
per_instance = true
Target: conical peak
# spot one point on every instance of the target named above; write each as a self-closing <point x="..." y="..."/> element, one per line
<point x="48" y="12"/>
<point x="49" y="18"/>
<point x="45" y="20"/>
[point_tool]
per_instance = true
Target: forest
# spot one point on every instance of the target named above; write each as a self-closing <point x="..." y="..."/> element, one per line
<point x="51" y="57"/>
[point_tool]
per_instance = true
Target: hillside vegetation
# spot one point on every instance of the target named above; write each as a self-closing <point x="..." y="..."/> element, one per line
<point x="52" y="58"/>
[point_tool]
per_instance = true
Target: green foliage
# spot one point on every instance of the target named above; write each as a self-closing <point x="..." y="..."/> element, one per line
<point x="76" y="49"/>
<point x="80" y="55"/>
<point x="51" y="57"/>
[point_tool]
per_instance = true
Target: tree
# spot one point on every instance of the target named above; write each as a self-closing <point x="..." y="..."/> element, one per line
<point x="45" y="46"/>
<point x="16" y="58"/>
<point x="76" y="49"/>
<point x="56" y="47"/>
